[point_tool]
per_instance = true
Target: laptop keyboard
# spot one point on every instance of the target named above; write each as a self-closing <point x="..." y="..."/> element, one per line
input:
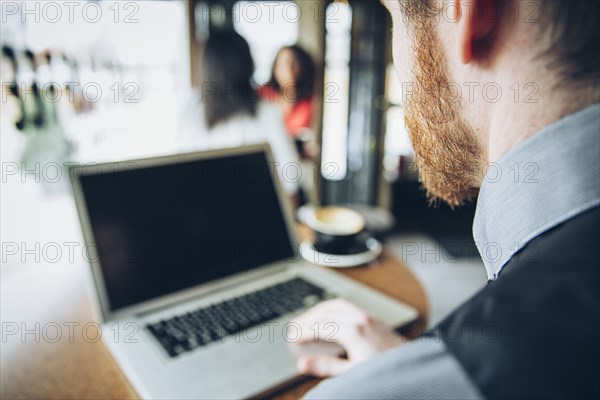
<point x="197" y="328"/>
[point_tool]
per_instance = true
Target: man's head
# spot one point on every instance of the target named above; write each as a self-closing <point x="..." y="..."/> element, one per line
<point x="481" y="75"/>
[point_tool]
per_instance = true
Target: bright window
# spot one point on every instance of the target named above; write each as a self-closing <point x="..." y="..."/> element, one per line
<point x="336" y="94"/>
<point x="397" y="142"/>
<point x="119" y="73"/>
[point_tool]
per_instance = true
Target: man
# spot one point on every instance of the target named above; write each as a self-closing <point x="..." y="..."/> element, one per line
<point x="504" y="105"/>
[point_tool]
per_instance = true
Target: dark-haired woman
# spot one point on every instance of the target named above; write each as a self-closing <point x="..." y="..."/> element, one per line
<point x="291" y="87"/>
<point x="227" y="111"/>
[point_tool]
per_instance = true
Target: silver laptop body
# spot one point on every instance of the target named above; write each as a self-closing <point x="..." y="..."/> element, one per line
<point x="147" y="226"/>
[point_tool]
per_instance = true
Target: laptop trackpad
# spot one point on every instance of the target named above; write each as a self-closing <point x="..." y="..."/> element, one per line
<point x="326" y="348"/>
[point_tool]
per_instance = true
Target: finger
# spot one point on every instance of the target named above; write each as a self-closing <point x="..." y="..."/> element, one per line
<point x="322" y="365"/>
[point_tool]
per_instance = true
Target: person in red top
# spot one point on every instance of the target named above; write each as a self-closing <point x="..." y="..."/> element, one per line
<point x="291" y="87"/>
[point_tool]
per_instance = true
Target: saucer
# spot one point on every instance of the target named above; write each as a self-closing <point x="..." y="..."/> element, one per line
<point x="371" y="250"/>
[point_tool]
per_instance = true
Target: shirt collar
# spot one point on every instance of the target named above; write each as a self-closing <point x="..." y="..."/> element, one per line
<point x="543" y="181"/>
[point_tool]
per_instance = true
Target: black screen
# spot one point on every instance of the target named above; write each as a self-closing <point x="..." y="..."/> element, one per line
<point x="161" y="229"/>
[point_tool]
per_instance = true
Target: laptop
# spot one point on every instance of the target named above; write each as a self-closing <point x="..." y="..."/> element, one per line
<point x="195" y="268"/>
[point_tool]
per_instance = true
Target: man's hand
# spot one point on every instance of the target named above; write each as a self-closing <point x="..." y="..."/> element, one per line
<point x="361" y="335"/>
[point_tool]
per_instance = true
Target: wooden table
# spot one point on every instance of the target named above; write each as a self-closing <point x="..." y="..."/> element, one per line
<point x="76" y="366"/>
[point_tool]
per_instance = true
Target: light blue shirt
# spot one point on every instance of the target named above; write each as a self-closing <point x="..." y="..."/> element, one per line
<point x="543" y="181"/>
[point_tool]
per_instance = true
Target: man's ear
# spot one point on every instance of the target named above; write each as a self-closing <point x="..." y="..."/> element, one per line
<point x="475" y="21"/>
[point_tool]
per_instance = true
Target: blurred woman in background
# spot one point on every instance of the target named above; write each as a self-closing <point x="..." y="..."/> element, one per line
<point x="291" y="87"/>
<point x="227" y="111"/>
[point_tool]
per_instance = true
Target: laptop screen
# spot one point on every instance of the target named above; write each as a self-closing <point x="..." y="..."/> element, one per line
<point x="161" y="229"/>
